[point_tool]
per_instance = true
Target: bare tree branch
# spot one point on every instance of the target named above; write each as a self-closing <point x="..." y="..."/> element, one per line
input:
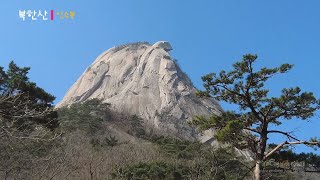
<point x="290" y="143"/>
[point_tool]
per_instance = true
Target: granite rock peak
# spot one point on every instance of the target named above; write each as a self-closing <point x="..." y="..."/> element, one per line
<point x="143" y="79"/>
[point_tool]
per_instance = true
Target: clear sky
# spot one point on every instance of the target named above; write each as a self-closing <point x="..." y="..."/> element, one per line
<point x="207" y="36"/>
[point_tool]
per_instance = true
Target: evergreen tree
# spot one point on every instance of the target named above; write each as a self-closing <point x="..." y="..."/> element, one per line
<point x="250" y="128"/>
<point x="27" y="121"/>
<point x="22" y="103"/>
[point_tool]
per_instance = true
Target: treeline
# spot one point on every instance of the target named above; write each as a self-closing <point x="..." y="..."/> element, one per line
<point x="91" y="141"/>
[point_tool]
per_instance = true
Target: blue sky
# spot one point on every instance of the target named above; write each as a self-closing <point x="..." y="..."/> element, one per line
<point x="207" y="36"/>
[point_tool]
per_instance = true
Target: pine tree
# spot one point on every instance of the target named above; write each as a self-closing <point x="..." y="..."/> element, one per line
<point x="22" y="103"/>
<point x="251" y="126"/>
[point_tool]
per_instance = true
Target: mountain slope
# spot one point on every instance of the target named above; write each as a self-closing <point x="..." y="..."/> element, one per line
<point x="143" y="79"/>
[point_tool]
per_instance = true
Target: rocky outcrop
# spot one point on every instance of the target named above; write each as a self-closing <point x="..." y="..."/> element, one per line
<point x="144" y="79"/>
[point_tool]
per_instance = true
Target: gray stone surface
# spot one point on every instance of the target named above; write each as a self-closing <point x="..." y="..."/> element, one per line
<point x="144" y="79"/>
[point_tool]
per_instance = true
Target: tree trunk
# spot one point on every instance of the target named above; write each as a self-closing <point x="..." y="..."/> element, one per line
<point x="257" y="170"/>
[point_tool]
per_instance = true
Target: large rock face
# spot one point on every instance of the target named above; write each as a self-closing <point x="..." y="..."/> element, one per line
<point x="143" y="79"/>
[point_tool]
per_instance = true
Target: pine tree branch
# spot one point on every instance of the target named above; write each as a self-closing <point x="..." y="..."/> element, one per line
<point x="250" y="129"/>
<point x="284" y="133"/>
<point x="290" y="143"/>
